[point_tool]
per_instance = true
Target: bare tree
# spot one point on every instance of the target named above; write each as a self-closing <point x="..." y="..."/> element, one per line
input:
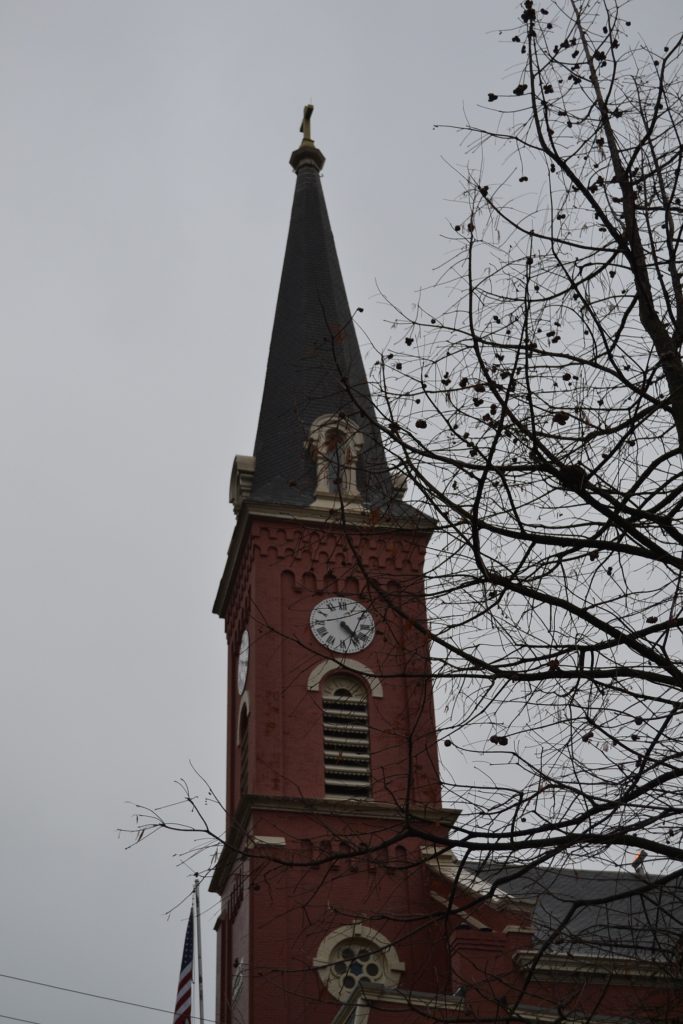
<point x="539" y="416"/>
<point x="197" y="818"/>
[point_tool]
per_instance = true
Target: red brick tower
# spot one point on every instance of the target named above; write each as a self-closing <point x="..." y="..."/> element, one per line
<point x="332" y="774"/>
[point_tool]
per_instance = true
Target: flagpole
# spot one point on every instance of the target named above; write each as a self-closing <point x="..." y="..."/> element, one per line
<point x="200" y="978"/>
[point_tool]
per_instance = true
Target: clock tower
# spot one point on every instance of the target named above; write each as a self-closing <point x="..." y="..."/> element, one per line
<point x="333" y="791"/>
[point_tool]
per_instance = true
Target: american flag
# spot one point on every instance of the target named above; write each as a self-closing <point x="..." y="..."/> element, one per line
<point x="183" y="1003"/>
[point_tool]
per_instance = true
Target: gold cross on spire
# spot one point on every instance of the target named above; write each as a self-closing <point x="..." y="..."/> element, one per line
<point x="306" y="123"/>
<point x="307" y="155"/>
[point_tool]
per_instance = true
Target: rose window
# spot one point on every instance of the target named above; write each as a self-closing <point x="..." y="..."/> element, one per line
<point x="349" y="956"/>
<point x="357" y="962"/>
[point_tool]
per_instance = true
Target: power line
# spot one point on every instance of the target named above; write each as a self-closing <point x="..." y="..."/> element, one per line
<point x="23" y="1020"/>
<point x="90" y="995"/>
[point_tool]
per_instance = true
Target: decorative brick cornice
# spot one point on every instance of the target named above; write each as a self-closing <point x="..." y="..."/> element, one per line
<point x="388" y="545"/>
<point x="236" y="841"/>
<point x="620" y="970"/>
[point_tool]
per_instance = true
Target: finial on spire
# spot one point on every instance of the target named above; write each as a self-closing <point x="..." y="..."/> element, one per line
<point x="307" y="153"/>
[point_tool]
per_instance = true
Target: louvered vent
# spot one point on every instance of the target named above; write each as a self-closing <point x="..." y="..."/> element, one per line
<point x="346" y="738"/>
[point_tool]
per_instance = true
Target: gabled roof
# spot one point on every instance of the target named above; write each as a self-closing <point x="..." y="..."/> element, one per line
<point x="597" y="913"/>
<point x="314" y="366"/>
<point x="580" y="912"/>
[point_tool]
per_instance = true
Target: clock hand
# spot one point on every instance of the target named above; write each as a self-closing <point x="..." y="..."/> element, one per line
<point x="344" y="625"/>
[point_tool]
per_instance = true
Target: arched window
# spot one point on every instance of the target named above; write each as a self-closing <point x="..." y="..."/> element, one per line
<point x="244" y="752"/>
<point x="334" y="462"/>
<point x="346" y="739"/>
<point x="335" y="443"/>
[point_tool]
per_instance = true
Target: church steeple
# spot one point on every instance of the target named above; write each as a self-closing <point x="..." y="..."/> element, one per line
<point x="317" y="428"/>
<point x="332" y="767"/>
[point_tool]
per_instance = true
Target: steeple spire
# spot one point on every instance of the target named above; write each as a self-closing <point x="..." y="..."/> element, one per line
<point x="317" y="428"/>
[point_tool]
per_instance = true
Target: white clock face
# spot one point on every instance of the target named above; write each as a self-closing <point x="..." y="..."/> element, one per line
<point x="343" y="625"/>
<point x="243" y="662"/>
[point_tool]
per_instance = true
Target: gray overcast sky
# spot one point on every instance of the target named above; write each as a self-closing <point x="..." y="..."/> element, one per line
<point x="144" y="202"/>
